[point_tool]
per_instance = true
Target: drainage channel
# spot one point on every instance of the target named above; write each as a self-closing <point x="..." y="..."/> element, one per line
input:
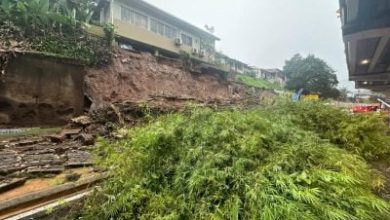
<point x="42" y="210"/>
<point x="35" y="204"/>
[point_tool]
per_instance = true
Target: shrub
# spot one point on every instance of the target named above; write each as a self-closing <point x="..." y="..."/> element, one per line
<point x="257" y="83"/>
<point x="232" y="165"/>
<point x="364" y="134"/>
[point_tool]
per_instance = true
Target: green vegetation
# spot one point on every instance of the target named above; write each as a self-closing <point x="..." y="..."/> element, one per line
<point x="56" y="27"/>
<point x="365" y="135"/>
<point x="28" y="132"/>
<point x="312" y="74"/>
<point x="241" y="164"/>
<point x="257" y="83"/>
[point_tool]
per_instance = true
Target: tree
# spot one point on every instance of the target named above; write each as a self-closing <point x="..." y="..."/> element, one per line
<point x="312" y="74"/>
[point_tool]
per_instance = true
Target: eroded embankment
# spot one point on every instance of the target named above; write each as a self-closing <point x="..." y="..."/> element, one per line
<point x="38" y="90"/>
<point x="142" y="77"/>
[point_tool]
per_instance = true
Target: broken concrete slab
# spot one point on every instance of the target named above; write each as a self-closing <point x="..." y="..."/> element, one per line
<point x="11" y="184"/>
<point x="56" y="138"/>
<point x="21" y="159"/>
<point x="86" y="139"/>
<point x="70" y="133"/>
<point x="79" y="159"/>
<point x="46" y="170"/>
<point x="42" y="159"/>
<point x="10" y="162"/>
<point x="27" y="142"/>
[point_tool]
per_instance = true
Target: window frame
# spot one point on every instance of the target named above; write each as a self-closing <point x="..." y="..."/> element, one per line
<point x="163" y="29"/>
<point x="134" y="15"/>
<point x="189" y="37"/>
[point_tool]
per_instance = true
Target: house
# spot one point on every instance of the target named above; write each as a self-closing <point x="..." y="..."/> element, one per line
<point x="141" y="24"/>
<point x="232" y="65"/>
<point x="272" y="75"/>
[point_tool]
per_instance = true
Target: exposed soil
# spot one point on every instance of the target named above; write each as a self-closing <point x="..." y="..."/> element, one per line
<point x="139" y="77"/>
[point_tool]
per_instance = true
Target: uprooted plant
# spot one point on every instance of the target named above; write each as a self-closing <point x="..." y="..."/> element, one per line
<point x="362" y="134"/>
<point x="250" y="164"/>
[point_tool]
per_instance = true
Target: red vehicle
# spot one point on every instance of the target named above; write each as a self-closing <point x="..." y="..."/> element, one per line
<point x="365" y="108"/>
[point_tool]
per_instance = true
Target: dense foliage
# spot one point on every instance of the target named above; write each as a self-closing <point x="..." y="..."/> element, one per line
<point x="57" y="27"/>
<point x="311" y="74"/>
<point x="364" y="134"/>
<point x="248" y="164"/>
<point x="257" y="83"/>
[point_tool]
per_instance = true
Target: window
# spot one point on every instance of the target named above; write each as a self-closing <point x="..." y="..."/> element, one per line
<point x="134" y="17"/>
<point x="170" y="32"/>
<point x="141" y="20"/>
<point x="162" y="29"/>
<point x="187" y="40"/>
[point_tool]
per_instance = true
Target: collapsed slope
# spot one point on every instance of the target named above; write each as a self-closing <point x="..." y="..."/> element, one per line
<point x="251" y="164"/>
<point x="139" y="77"/>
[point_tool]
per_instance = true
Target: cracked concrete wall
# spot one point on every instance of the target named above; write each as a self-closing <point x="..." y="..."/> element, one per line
<point x="38" y="90"/>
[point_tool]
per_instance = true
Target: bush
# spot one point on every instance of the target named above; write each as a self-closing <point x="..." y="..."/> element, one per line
<point x="257" y="83"/>
<point x="364" y="134"/>
<point x="232" y="165"/>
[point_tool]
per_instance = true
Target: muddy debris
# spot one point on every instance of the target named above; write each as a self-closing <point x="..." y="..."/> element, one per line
<point x="86" y="139"/>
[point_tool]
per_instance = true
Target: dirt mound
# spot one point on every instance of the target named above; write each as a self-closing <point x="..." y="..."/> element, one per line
<point x="139" y="77"/>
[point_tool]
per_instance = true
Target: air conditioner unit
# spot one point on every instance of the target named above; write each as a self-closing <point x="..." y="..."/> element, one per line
<point x="178" y="42"/>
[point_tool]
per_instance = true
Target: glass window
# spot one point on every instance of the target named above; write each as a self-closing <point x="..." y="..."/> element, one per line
<point x="170" y="32"/>
<point x="187" y="40"/>
<point x="126" y="15"/>
<point x="162" y="29"/>
<point x="141" y="20"/>
<point x="154" y="26"/>
<point x="133" y="17"/>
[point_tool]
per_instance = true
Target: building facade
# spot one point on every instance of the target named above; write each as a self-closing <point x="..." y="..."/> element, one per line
<point x="232" y="65"/>
<point x="140" y="23"/>
<point x="272" y="75"/>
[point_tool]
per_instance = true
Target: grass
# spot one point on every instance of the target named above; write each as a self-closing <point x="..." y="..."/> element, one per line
<point x="257" y="83"/>
<point x="27" y="132"/>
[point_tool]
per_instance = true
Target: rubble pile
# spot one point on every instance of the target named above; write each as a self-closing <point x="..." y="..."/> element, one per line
<point x="24" y="158"/>
<point x="21" y="159"/>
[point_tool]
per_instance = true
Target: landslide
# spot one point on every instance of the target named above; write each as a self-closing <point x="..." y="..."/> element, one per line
<point x="142" y="77"/>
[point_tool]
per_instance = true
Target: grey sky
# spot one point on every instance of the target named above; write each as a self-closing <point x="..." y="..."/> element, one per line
<point x="265" y="33"/>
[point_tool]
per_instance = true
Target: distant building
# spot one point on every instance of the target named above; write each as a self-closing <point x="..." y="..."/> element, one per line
<point x="232" y="65"/>
<point x="272" y="75"/>
<point x="142" y="24"/>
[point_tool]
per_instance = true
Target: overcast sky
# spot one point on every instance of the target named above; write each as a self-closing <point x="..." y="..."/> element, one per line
<point x="265" y="33"/>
